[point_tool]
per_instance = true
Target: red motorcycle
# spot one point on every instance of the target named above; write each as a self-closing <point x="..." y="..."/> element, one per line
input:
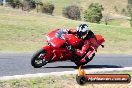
<point x="59" y="48"/>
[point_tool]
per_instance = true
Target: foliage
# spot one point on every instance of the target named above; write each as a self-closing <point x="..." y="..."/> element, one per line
<point x="28" y="4"/>
<point x="93" y="13"/>
<point x="129" y="1"/>
<point x="131" y="20"/>
<point x="25" y="4"/>
<point x="123" y="11"/>
<point x="72" y="12"/>
<point x="129" y="7"/>
<point x="14" y="3"/>
<point x="116" y="9"/>
<point x="47" y="8"/>
<point x="38" y="5"/>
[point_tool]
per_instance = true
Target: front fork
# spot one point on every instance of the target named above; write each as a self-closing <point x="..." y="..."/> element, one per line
<point x="49" y="51"/>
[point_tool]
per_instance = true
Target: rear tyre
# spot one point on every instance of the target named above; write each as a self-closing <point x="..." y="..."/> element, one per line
<point x="81" y="80"/>
<point x="79" y="63"/>
<point x="38" y="60"/>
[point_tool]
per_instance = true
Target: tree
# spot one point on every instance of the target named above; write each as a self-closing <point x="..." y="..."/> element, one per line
<point x="72" y="12"/>
<point x="131" y="21"/>
<point x="106" y="18"/>
<point x="129" y="1"/>
<point x="129" y="7"/>
<point x="38" y="2"/>
<point x="14" y="3"/>
<point x="28" y="5"/>
<point x="93" y="13"/>
<point x="48" y="8"/>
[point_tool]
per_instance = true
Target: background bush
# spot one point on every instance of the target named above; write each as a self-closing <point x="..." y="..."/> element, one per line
<point x="129" y="8"/>
<point x="72" y="12"/>
<point x="28" y="5"/>
<point x="93" y="13"/>
<point x="14" y="3"/>
<point x="131" y="21"/>
<point x="47" y="8"/>
<point x="24" y="4"/>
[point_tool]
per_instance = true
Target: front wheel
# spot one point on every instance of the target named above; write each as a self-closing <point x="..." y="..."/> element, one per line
<point x="38" y="60"/>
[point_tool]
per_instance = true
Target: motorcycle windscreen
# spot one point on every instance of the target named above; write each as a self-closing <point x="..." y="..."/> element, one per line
<point x="57" y="42"/>
<point x="54" y="38"/>
<point x="52" y="34"/>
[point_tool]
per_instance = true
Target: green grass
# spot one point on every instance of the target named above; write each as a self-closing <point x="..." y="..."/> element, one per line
<point x="119" y="22"/>
<point x="43" y="82"/>
<point x="24" y="32"/>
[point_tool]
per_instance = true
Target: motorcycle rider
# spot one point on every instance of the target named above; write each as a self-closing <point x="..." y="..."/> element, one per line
<point x="83" y="32"/>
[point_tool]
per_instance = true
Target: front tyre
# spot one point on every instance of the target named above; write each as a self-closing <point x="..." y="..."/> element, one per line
<point x="38" y="60"/>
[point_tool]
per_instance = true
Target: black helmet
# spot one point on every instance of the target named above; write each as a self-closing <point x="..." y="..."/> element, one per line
<point x="82" y="30"/>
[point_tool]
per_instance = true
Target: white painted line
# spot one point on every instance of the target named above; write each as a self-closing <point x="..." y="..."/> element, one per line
<point x="64" y="73"/>
<point x="109" y="69"/>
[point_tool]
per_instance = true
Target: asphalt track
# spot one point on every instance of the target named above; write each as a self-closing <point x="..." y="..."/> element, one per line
<point x="19" y="64"/>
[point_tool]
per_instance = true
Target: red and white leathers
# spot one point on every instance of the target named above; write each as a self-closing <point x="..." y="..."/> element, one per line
<point x="82" y="52"/>
<point x="86" y="45"/>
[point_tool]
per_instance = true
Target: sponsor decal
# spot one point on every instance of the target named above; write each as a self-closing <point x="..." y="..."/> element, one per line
<point x="82" y="78"/>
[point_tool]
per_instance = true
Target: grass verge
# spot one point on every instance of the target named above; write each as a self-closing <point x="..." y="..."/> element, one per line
<point x="24" y="32"/>
<point x="63" y="81"/>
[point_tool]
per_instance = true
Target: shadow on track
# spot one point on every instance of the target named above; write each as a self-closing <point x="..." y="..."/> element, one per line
<point x="88" y="66"/>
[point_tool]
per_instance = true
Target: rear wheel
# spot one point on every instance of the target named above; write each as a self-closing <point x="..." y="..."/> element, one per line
<point x="38" y="60"/>
<point x="81" y="80"/>
<point x="79" y="63"/>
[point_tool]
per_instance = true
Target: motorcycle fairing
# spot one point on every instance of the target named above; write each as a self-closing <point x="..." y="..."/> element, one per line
<point x="55" y="41"/>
